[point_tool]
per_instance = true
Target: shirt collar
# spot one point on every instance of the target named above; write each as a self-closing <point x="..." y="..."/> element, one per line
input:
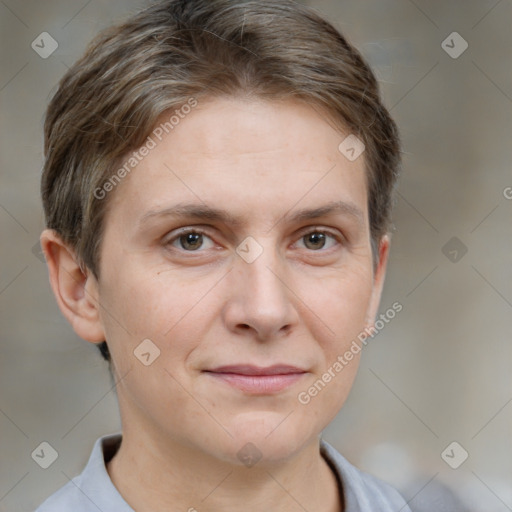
<point x="95" y="482"/>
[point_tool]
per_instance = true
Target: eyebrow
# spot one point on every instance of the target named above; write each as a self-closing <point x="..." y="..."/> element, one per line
<point x="203" y="211"/>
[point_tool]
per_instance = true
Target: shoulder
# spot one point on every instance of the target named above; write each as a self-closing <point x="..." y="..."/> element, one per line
<point x="362" y="491"/>
<point x="68" y="498"/>
<point x="92" y="490"/>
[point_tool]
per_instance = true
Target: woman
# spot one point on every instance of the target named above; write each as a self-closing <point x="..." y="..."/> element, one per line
<point x="217" y="190"/>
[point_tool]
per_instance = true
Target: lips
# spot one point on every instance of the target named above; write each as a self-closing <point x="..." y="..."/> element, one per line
<point x="247" y="369"/>
<point x="256" y="379"/>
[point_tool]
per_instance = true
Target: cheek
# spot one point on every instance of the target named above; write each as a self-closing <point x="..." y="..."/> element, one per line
<point x="340" y="307"/>
<point x="135" y="308"/>
<point x="340" y="302"/>
<point x="148" y="307"/>
<point x="171" y="311"/>
<point x="145" y="303"/>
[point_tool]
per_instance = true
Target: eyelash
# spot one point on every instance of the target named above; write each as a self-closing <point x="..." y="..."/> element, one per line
<point x="185" y="231"/>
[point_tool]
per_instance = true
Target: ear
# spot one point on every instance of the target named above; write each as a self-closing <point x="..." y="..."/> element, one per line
<point x="76" y="292"/>
<point x="378" y="279"/>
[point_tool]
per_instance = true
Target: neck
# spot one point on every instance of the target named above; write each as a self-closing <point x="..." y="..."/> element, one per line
<point x="153" y="475"/>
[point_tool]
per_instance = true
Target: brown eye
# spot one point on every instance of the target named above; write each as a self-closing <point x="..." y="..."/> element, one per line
<point x="191" y="241"/>
<point x="319" y="241"/>
<point x="315" y="240"/>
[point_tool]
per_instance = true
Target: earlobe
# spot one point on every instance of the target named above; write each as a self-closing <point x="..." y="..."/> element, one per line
<point x="76" y="291"/>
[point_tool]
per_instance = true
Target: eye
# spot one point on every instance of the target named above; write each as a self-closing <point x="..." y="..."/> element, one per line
<point x="190" y="240"/>
<point x="317" y="240"/>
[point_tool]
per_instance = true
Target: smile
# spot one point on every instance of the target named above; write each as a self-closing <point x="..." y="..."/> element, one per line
<point x="258" y="380"/>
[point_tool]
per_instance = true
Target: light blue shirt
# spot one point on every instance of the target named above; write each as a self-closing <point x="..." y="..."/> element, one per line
<point x="93" y="491"/>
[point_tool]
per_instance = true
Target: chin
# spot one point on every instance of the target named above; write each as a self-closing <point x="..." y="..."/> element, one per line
<point x="269" y="437"/>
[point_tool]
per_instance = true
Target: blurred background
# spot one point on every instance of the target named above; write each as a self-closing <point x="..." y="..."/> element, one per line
<point x="431" y="410"/>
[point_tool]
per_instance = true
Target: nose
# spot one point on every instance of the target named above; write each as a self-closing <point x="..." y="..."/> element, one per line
<point x="261" y="301"/>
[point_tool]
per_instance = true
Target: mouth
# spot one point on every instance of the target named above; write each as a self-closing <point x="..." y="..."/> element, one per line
<point x="257" y="380"/>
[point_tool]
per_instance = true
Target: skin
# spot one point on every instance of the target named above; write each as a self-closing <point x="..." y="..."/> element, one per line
<point x="300" y="303"/>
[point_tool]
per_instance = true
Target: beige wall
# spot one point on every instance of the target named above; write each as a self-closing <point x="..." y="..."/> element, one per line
<point x="438" y="372"/>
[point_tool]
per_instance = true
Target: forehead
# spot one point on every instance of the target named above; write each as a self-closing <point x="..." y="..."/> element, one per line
<point x="253" y="157"/>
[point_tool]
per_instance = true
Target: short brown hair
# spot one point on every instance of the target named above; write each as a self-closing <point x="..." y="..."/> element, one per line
<point x="109" y="101"/>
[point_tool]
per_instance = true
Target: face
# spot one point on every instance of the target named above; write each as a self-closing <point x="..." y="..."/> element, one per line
<point x="239" y="246"/>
